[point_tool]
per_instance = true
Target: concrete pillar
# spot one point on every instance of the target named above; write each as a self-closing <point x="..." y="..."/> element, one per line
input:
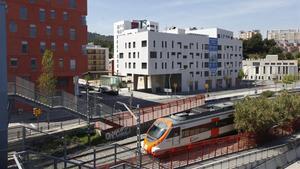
<point x="3" y="88"/>
<point x="145" y="82"/>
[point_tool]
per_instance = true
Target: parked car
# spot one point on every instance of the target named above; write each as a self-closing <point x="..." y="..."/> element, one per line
<point x="108" y="90"/>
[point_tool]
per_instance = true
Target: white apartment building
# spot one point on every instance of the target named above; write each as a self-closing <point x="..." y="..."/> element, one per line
<point x="181" y="59"/>
<point x="269" y="68"/>
<point x="245" y="35"/>
<point x="290" y="35"/>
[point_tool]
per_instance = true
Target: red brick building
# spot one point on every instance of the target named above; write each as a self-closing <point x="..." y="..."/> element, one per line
<point x="36" y="25"/>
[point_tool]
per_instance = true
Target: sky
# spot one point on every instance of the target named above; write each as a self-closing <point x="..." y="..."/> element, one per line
<point x="234" y="15"/>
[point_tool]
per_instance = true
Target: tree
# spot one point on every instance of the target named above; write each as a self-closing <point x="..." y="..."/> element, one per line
<point x="241" y="74"/>
<point x="254" y="115"/>
<point x="47" y="80"/>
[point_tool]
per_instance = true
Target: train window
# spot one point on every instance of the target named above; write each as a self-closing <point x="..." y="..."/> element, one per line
<point x="157" y="130"/>
<point x="174" y="132"/>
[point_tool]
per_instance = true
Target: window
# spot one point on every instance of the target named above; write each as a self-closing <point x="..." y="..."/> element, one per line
<point x="206" y="64"/>
<point x="60" y="31"/>
<point x="48" y="30"/>
<point x="23" y="13"/>
<point x="32" y="31"/>
<point x="256" y="70"/>
<point x="42" y="47"/>
<point x="24" y="47"/>
<point x="66" y="47"/>
<point x="129" y="55"/>
<point x="53" y="46"/>
<point x="206" y="73"/>
<point x="153" y="55"/>
<point x="12" y="26"/>
<point x="52" y="14"/>
<point x="61" y="62"/>
<point x="144" y="66"/>
<point x="72" y="34"/>
<point x="72" y="3"/>
<point x="65" y="16"/>
<point x="155" y="65"/>
<point x="206" y="55"/>
<point x="133" y="44"/>
<point x="133" y="54"/>
<point x="72" y="64"/>
<point x="129" y="65"/>
<point x="14" y="62"/>
<point x="121" y="55"/>
<point x="133" y="66"/>
<point x="33" y="64"/>
<point x="144" y="43"/>
<point x="83" y="20"/>
<point x="42" y="15"/>
<point x="154" y="44"/>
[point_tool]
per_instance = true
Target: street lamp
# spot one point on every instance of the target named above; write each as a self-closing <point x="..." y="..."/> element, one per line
<point x="137" y="117"/>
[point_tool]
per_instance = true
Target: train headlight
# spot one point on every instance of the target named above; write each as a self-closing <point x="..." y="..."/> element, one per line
<point x="154" y="149"/>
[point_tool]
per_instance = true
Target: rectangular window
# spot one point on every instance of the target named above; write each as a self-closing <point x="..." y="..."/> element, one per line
<point x="133" y="55"/>
<point x="12" y="26"/>
<point x="32" y="31"/>
<point x="23" y="13"/>
<point x="206" y="64"/>
<point x="133" y="66"/>
<point x="121" y="55"/>
<point x="14" y="62"/>
<point x="206" y="73"/>
<point x="52" y="14"/>
<point x="72" y="64"/>
<point x="66" y="47"/>
<point x="144" y="65"/>
<point x="155" y="65"/>
<point x="129" y="55"/>
<point x="24" y="48"/>
<point x="65" y="16"/>
<point x="144" y="43"/>
<point x="61" y="63"/>
<point x="206" y="55"/>
<point x="33" y="64"/>
<point x="256" y="70"/>
<point x="154" y="44"/>
<point x="53" y="46"/>
<point x="133" y="45"/>
<point x="42" y="47"/>
<point x="72" y="34"/>
<point x="42" y="15"/>
<point x="153" y="55"/>
<point x="72" y="3"/>
<point x="48" y="30"/>
<point x="129" y="45"/>
<point x="83" y="20"/>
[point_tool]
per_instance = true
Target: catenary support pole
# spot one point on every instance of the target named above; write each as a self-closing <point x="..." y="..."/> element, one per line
<point x="3" y="88"/>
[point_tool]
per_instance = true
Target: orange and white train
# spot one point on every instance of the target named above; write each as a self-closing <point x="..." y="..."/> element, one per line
<point x="183" y="129"/>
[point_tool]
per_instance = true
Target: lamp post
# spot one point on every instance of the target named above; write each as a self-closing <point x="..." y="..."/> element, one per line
<point x="3" y="88"/>
<point x="137" y="117"/>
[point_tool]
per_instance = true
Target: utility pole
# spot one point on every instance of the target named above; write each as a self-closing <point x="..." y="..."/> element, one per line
<point x="138" y="134"/>
<point x="88" y="112"/>
<point x="3" y="87"/>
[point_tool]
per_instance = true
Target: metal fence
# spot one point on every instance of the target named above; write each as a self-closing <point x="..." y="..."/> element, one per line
<point x="61" y="99"/>
<point x="147" y="114"/>
<point x="271" y="157"/>
<point x="16" y="133"/>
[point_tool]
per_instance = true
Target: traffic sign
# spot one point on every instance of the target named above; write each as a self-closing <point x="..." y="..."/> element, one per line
<point x="37" y="112"/>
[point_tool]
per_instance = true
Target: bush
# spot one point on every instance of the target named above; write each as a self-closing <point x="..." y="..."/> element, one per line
<point x="268" y="94"/>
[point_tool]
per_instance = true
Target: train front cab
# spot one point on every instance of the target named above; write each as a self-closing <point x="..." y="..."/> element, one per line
<point x="156" y="135"/>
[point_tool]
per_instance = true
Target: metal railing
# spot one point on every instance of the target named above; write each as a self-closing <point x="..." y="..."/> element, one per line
<point x="253" y="159"/>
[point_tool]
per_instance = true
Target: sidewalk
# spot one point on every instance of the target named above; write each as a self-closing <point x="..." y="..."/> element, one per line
<point x="212" y="95"/>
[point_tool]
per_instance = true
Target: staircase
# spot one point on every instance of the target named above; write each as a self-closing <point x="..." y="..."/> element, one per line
<point x="25" y="91"/>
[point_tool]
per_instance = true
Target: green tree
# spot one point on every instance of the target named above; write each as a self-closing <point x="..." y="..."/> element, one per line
<point x="254" y="115"/>
<point x="47" y="80"/>
<point x="241" y="74"/>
